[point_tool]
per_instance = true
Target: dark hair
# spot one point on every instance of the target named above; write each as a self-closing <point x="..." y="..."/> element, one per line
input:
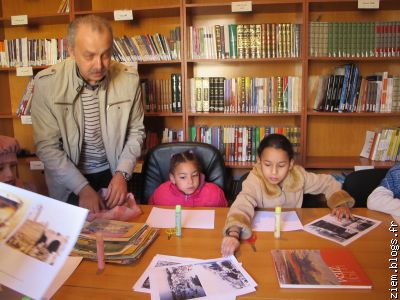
<point x="97" y="23"/>
<point x="277" y="141"/>
<point x="187" y="156"/>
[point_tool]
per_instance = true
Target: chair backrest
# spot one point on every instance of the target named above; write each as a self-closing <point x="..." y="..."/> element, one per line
<point x="360" y="184"/>
<point x="157" y="163"/>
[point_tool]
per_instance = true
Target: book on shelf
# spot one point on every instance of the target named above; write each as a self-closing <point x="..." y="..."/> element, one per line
<point x="245" y="94"/>
<point x="63" y="7"/>
<point x="244" y="41"/>
<point x="382" y="145"/>
<point x="331" y="268"/>
<point x="24" y="107"/>
<point x="147" y="47"/>
<point x="354" y="39"/>
<point x="239" y="143"/>
<point x="346" y="90"/>
<point x="24" y="52"/>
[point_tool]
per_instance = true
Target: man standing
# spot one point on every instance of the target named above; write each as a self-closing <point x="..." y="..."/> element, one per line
<point x="87" y="119"/>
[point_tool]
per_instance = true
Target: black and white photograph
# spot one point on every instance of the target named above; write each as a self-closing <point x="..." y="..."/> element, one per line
<point x="143" y="283"/>
<point x="342" y="232"/>
<point x="210" y="279"/>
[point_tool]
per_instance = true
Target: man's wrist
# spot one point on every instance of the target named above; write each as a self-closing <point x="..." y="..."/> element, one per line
<point x="125" y="175"/>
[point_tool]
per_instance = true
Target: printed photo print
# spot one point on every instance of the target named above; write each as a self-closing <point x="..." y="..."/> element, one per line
<point x="342" y="231"/>
<point x="203" y="279"/>
<point x="12" y="212"/>
<point x="35" y="239"/>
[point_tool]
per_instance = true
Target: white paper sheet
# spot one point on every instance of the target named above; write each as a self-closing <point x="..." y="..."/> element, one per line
<point x="165" y="218"/>
<point x="343" y="232"/>
<point x="69" y="267"/>
<point x="35" y="250"/>
<point x="265" y="221"/>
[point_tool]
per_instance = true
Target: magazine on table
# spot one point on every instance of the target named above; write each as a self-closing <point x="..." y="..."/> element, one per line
<point x="325" y="268"/>
<point x="37" y="234"/>
<point x="341" y="231"/>
<point x="222" y="278"/>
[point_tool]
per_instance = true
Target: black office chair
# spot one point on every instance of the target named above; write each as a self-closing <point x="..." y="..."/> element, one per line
<point x="360" y="184"/>
<point x="157" y="162"/>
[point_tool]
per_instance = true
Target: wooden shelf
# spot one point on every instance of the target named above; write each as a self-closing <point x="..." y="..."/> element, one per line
<point x="353" y="114"/>
<point x="10" y="116"/>
<point x="269" y="6"/>
<point x="39" y="19"/>
<point x="340" y="162"/>
<point x="231" y="115"/>
<point x="354" y="59"/>
<point x="13" y="69"/>
<point x="153" y="11"/>
<point x="159" y="62"/>
<point x="163" y="114"/>
<point x="244" y="60"/>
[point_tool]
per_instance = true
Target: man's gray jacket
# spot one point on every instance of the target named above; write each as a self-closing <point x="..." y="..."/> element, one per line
<point x="57" y="121"/>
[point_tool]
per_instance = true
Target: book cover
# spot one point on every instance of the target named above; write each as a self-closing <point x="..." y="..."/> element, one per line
<point x="112" y="230"/>
<point x="325" y="268"/>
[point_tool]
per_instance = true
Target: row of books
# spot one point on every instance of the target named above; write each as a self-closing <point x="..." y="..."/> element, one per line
<point x="24" y="52"/>
<point x="354" y="39"/>
<point x="382" y="145"/>
<point x="245" y="94"/>
<point x="244" y="41"/>
<point x="240" y="143"/>
<point x="347" y="91"/>
<point x="163" y="95"/>
<point x="147" y="47"/>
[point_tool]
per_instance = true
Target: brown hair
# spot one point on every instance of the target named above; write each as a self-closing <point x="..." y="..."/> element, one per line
<point x="187" y="156"/>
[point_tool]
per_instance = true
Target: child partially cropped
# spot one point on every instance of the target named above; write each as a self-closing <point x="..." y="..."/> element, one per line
<point x="187" y="185"/>
<point x="276" y="181"/>
<point x="386" y="197"/>
<point x="9" y="148"/>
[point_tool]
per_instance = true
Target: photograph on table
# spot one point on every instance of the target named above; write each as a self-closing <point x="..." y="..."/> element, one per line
<point x="215" y="278"/>
<point x="341" y="231"/>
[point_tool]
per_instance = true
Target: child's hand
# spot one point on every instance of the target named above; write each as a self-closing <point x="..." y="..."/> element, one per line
<point x="229" y="245"/>
<point x="342" y="211"/>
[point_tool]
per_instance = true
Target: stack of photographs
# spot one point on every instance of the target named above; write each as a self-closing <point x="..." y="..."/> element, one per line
<point x="170" y="277"/>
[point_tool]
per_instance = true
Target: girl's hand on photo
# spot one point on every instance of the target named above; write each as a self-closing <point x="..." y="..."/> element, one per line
<point x="342" y="211"/>
<point x="229" y="245"/>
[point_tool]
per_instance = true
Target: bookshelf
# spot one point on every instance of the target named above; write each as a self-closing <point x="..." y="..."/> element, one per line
<point x="340" y="136"/>
<point x="327" y="140"/>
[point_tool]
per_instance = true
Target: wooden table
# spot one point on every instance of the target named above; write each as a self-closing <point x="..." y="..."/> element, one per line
<point x="371" y="250"/>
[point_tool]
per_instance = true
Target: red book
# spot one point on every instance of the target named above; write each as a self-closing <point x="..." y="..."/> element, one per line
<point x="325" y="268"/>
